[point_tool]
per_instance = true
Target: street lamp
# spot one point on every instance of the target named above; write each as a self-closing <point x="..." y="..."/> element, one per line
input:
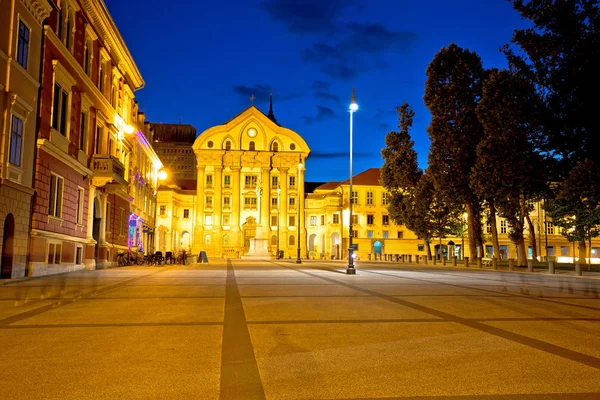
<point x="299" y="260"/>
<point x="278" y="213"/>
<point x="351" y="270"/>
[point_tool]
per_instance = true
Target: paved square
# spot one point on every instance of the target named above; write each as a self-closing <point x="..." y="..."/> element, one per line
<point x="263" y="329"/>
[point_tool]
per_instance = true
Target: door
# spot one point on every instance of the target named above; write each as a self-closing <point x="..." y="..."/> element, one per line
<point x="8" y="247"/>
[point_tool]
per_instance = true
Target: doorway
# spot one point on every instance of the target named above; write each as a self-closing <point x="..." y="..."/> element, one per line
<point x="96" y="227"/>
<point x="8" y="244"/>
<point x="377" y="249"/>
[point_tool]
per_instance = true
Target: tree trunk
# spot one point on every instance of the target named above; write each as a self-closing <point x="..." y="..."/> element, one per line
<point x="495" y="243"/>
<point x="533" y="241"/>
<point x="522" y="256"/>
<point x="582" y="252"/>
<point x="428" y="249"/>
<point x="472" y="230"/>
<point x="440" y="250"/>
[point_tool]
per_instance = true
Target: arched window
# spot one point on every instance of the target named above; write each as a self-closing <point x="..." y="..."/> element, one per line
<point x="252" y="146"/>
<point x="275" y="146"/>
<point x="228" y="145"/>
<point x="207" y="239"/>
<point x="273" y="240"/>
<point x="292" y="241"/>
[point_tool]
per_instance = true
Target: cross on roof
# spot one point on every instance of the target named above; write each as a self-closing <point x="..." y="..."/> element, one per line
<point x="252" y="99"/>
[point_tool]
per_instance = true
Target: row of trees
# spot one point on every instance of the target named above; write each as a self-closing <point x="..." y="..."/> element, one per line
<point x="502" y="139"/>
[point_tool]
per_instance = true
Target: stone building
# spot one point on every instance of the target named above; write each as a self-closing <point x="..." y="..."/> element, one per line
<point x="250" y="186"/>
<point x="21" y="39"/>
<point x="95" y="171"/>
<point x="173" y="144"/>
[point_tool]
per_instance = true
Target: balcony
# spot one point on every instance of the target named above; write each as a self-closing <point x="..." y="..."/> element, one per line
<point x="108" y="171"/>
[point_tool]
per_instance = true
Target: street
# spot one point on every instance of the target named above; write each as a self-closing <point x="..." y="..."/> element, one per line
<point x="240" y="329"/>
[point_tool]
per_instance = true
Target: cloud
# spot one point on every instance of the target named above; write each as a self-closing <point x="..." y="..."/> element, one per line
<point x="364" y="44"/>
<point x="324" y="154"/>
<point x="323" y="113"/>
<point x="339" y="71"/>
<point x="327" y="96"/>
<point x="306" y="16"/>
<point x="375" y="38"/>
<point x="320" y="85"/>
<point x="261" y="93"/>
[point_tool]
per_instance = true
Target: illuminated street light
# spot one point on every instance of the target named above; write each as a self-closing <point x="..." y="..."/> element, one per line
<point x="351" y="270"/>
<point x="162" y="175"/>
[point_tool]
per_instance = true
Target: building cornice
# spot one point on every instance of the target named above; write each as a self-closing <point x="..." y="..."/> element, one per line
<point x="59" y="236"/>
<point x="54" y="151"/>
<point x="113" y="41"/>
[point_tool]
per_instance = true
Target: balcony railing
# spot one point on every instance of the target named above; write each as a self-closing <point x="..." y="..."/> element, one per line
<point x="108" y="169"/>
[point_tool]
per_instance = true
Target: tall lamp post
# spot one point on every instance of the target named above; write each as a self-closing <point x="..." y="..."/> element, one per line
<point x="299" y="260"/>
<point x="351" y="270"/>
<point x="278" y="218"/>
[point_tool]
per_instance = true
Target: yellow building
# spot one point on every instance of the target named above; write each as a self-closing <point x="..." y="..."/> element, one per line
<point x="375" y="234"/>
<point x="250" y="179"/>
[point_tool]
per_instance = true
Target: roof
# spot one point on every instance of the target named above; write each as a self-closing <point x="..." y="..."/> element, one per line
<point x="309" y="187"/>
<point x="249" y="107"/>
<point x="174" y="132"/>
<point x="369" y="177"/>
<point x="328" y="186"/>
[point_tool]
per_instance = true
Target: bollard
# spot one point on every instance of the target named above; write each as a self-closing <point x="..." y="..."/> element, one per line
<point x="495" y="262"/>
<point x="529" y="265"/>
<point x="551" y="267"/>
<point x="410" y="258"/>
<point x="578" y="269"/>
<point x="454" y="261"/>
<point x="434" y="260"/>
<point x="511" y="264"/>
<point x="466" y="262"/>
<point x="417" y="258"/>
<point x="444" y="261"/>
<point x="479" y="264"/>
<point x="425" y="260"/>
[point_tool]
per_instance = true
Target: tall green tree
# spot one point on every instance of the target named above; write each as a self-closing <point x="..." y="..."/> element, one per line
<point x="508" y="172"/>
<point x="575" y="209"/>
<point x="452" y="90"/>
<point x="560" y="53"/>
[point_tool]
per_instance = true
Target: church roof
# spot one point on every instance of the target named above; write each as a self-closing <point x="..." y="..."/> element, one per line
<point x="256" y="108"/>
<point x="369" y="177"/>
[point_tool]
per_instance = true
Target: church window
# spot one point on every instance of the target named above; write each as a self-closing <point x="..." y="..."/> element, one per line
<point x="292" y="182"/>
<point x="251" y="181"/>
<point x="274" y="181"/>
<point x="209" y="180"/>
<point x="252" y="146"/>
<point x="227" y="180"/>
<point x="275" y="146"/>
<point x="210" y="144"/>
<point x="228" y="145"/>
<point x="292" y="146"/>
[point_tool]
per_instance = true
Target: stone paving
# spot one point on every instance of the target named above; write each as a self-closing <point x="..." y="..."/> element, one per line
<point x="242" y="329"/>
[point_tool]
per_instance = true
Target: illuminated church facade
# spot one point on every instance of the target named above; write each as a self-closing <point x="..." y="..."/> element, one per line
<point x="249" y="192"/>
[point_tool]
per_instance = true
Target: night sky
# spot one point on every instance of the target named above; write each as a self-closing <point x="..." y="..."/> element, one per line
<point x="202" y="60"/>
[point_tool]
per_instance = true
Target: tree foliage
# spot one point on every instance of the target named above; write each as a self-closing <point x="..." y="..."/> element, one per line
<point x="508" y="172"/>
<point x="453" y="88"/>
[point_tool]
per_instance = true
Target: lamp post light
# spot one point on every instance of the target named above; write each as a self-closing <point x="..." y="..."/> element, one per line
<point x="299" y="260"/>
<point x="278" y="214"/>
<point x="351" y="270"/>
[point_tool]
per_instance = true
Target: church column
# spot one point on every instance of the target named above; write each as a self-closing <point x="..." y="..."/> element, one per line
<point x="218" y="202"/>
<point x="302" y="231"/>
<point x="199" y="226"/>
<point x="283" y="208"/>
<point x="265" y="204"/>
<point x="236" y="199"/>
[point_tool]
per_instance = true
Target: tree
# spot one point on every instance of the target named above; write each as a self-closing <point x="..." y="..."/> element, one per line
<point x="508" y="172"/>
<point x="576" y="206"/>
<point x="452" y="90"/>
<point x="414" y="202"/>
<point x="561" y="55"/>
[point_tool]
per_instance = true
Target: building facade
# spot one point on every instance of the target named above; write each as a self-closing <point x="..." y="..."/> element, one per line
<point x="250" y="186"/>
<point x="173" y="144"/>
<point x="21" y="42"/>
<point x="95" y="171"/>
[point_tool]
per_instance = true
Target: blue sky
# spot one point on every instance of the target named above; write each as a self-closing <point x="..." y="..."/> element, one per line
<point x="202" y="60"/>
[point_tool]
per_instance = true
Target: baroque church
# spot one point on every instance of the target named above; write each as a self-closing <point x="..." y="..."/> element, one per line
<point x="249" y="193"/>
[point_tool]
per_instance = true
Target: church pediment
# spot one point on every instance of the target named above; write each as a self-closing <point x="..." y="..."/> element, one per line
<point x="251" y="131"/>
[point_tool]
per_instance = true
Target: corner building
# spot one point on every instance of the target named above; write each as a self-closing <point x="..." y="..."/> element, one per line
<point x="250" y="188"/>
